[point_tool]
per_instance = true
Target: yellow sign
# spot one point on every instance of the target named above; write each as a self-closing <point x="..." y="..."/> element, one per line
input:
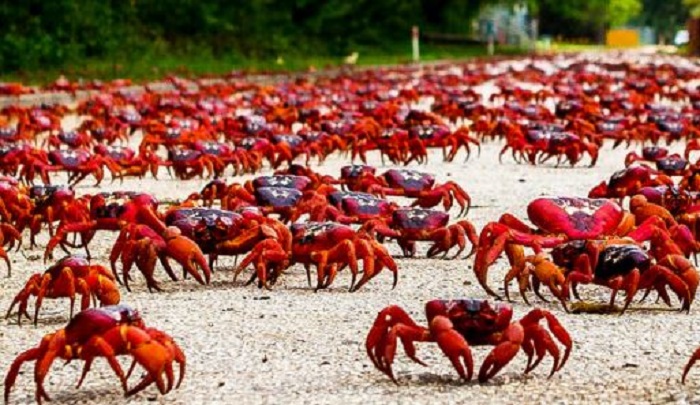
<point x="622" y="38"/>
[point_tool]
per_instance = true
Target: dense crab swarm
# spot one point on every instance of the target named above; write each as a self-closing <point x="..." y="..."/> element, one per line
<point x="209" y="128"/>
<point x="635" y="232"/>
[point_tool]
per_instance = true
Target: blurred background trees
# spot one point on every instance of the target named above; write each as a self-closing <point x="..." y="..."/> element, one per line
<point x="36" y="34"/>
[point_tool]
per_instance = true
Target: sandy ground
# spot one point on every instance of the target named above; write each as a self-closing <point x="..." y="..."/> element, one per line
<point x="291" y="345"/>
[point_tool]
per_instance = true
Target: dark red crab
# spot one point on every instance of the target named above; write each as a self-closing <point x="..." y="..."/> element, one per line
<point x="50" y="203"/>
<point x="71" y="139"/>
<point x="283" y="180"/>
<point x="361" y="207"/>
<point x="237" y="195"/>
<point x="672" y="165"/>
<point x="348" y="207"/>
<point x="106" y="211"/>
<point x="78" y="163"/>
<point x="629" y="181"/>
<point x="228" y="233"/>
<point x="410" y="225"/>
<point x="624" y="265"/>
<point x="278" y="200"/>
<point x="407" y="183"/>
<point x="649" y="154"/>
<point x="455" y="325"/>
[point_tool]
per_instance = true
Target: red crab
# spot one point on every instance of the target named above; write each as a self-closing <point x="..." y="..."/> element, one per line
<point x="222" y="155"/>
<point x="409" y="225"/>
<point x="439" y="136"/>
<point x="455" y="325"/>
<point x="548" y="143"/>
<point x="628" y="182"/>
<point x="676" y="200"/>
<point x="673" y="165"/>
<point x="49" y="205"/>
<point x="626" y="266"/>
<point x="127" y="164"/>
<point x="557" y="220"/>
<point x="614" y="263"/>
<point x="106" y="211"/>
<point x="616" y="128"/>
<point x="105" y="332"/>
<point x="212" y="191"/>
<point x="14" y="155"/>
<point x="406" y="183"/>
<point x="141" y="245"/>
<point x="222" y="232"/>
<point x="278" y="200"/>
<point x="277" y="193"/>
<point x="8" y="236"/>
<point x="70" y="275"/>
<point x="330" y="246"/>
<point x="78" y="163"/>
<point x="189" y="163"/>
<point x="71" y="139"/>
<point x="115" y="212"/>
<point x="348" y="207"/>
<point x="649" y="154"/>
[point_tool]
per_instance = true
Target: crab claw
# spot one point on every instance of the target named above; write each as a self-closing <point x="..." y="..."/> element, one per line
<point x="492" y="243"/>
<point x="681" y="276"/>
<point x="154" y="357"/>
<point x="187" y="253"/>
<point x="393" y="323"/>
<point x="267" y="253"/>
<point x="542" y="339"/>
<point x="503" y="353"/>
<point x="29" y="355"/>
<point x="177" y="355"/>
<point x="453" y="345"/>
<point x="694" y="358"/>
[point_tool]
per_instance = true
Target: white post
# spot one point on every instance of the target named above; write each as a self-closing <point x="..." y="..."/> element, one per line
<point x="534" y="28"/>
<point x="490" y="36"/>
<point x="414" y="42"/>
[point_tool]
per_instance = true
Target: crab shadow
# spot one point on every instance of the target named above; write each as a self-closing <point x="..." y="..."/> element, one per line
<point x="105" y="393"/>
<point x="428" y="379"/>
<point x="52" y="320"/>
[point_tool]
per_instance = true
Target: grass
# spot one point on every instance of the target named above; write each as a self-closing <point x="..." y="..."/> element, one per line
<point x="568" y="47"/>
<point x="140" y="68"/>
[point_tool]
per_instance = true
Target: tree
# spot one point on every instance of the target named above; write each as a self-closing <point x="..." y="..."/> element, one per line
<point x="693" y="7"/>
<point x="664" y="16"/>
<point x="585" y="18"/>
<point x="620" y="12"/>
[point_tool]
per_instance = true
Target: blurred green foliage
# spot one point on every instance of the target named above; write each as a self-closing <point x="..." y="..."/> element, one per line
<point x="40" y="33"/>
<point x="67" y="34"/>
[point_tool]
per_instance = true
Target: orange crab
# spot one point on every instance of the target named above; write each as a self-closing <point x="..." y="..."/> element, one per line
<point x="105" y="332"/>
<point x="328" y="245"/>
<point x="69" y="276"/>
